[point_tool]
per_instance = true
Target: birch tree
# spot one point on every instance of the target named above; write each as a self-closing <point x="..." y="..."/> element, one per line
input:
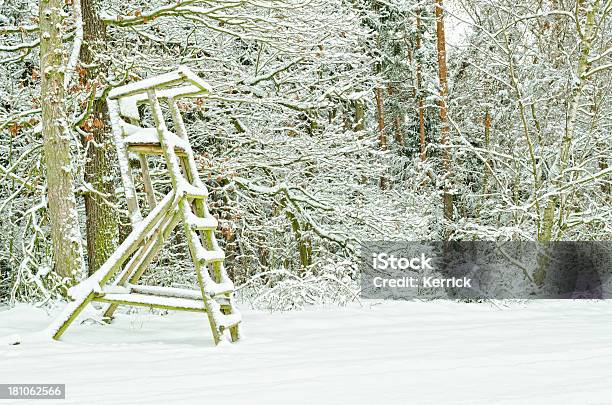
<point x="540" y="129"/>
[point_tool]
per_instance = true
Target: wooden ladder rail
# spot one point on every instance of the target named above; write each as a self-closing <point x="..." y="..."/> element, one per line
<point x="191" y="177"/>
<point x="207" y="236"/>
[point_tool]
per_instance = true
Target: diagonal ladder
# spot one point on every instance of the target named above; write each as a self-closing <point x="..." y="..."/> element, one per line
<point x="116" y="281"/>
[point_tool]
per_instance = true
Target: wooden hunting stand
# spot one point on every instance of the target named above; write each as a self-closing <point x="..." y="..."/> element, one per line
<point x="115" y="282"/>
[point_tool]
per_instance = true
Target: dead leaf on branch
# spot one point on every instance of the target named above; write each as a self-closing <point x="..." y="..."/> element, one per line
<point x="14" y="129"/>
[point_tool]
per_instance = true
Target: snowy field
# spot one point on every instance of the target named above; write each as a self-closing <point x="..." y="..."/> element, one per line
<point x="381" y="353"/>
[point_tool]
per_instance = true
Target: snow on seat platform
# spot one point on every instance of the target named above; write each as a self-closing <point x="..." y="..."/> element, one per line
<point x="146" y="140"/>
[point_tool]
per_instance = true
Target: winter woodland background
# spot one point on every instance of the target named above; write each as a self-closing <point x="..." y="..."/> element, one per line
<point x="331" y="122"/>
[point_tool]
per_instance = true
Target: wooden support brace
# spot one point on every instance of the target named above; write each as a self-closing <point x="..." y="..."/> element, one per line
<point x="141" y="259"/>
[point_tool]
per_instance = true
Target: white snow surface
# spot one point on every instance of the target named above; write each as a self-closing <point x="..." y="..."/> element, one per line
<point x="440" y="352"/>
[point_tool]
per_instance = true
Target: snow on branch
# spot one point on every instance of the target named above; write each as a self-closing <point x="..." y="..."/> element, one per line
<point x="18" y="29"/>
<point x="76" y="46"/>
<point x="284" y="189"/>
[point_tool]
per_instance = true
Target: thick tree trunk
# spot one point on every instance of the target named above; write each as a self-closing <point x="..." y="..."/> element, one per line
<point x="102" y="223"/>
<point x="447" y="197"/>
<point x="63" y="215"/>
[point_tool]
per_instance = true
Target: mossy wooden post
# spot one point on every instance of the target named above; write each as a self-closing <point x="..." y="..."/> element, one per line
<point x="74" y="309"/>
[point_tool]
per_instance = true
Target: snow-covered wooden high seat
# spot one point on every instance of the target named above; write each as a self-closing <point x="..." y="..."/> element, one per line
<point x="116" y="281"/>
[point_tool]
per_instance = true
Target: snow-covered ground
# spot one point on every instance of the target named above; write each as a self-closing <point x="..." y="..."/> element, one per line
<point x="382" y="353"/>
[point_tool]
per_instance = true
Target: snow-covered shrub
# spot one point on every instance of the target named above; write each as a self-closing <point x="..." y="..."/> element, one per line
<point x="282" y="290"/>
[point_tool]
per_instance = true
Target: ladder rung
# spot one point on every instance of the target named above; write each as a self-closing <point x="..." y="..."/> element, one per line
<point x="218" y="290"/>
<point x="227" y="321"/>
<point x="199" y="223"/>
<point x="153" y="301"/>
<point x="191" y="191"/>
<point x="166" y="291"/>
<point x="208" y="256"/>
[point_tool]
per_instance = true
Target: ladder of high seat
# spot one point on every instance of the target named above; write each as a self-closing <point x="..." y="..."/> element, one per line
<point x="191" y="172"/>
<point x="204" y="221"/>
<point x="190" y="187"/>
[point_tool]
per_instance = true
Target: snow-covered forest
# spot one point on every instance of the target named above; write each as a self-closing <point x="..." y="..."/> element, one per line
<point x="237" y="159"/>
<point x="331" y="122"/>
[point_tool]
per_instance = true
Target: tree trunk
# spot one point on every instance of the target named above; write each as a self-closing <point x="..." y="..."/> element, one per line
<point x="382" y="138"/>
<point x="397" y="124"/>
<point x="447" y="197"/>
<point x="102" y="223"/>
<point x="63" y="215"/>
<point x="304" y="247"/>
<point x="487" y="139"/>
<point x="397" y="128"/>
<point x="419" y="96"/>
<point x="359" y="115"/>
<point x="586" y="39"/>
<point x="380" y="112"/>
